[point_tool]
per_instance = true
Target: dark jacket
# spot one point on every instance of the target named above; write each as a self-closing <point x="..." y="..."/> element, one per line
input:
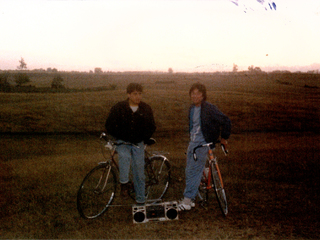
<point x="213" y="122"/>
<point x="124" y="124"/>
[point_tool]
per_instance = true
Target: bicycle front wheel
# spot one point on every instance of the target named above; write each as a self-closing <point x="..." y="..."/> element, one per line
<point x="157" y="177"/>
<point x="219" y="190"/>
<point x="96" y="191"/>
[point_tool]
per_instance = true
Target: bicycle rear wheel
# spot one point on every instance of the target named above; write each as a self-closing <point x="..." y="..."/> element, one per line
<point x="96" y="191"/>
<point x="157" y="177"/>
<point x="219" y="190"/>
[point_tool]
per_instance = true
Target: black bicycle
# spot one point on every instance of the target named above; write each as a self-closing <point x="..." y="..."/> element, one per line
<point x="98" y="189"/>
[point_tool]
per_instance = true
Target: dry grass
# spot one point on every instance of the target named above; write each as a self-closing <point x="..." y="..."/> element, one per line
<point x="271" y="174"/>
<point x="271" y="181"/>
<point x="254" y="103"/>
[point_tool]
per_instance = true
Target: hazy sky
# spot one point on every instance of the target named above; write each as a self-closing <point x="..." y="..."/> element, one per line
<point x="157" y="35"/>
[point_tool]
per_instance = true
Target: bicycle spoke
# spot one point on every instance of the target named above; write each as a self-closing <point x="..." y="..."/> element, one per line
<point x="157" y="177"/>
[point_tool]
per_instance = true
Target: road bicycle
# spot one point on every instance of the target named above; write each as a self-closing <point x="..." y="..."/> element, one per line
<point x="212" y="179"/>
<point x="99" y="187"/>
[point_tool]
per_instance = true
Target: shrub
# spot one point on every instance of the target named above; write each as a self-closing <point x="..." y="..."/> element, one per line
<point x="21" y="78"/>
<point x="4" y="84"/>
<point x="57" y="82"/>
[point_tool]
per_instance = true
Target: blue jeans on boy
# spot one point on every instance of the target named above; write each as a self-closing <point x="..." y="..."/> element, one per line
<point x="135" y="156"/>
<point x="194" y="169"/>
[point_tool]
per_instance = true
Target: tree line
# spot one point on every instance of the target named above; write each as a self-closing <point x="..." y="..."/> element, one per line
<point x="22" y="82"/>
<point x="21" y="79"/>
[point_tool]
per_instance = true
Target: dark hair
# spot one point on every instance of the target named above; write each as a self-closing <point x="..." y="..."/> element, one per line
<point x="134" y="87"/>
<point x="201" y="89"/>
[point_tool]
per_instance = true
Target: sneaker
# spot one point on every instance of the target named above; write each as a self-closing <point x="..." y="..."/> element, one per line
<point x="185" y="206"/>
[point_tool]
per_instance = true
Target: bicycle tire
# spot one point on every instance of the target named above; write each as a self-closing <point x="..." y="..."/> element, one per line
<point x="96" y="191"/>
<point x="157" y="184"/>
<point x="219" y="190"/>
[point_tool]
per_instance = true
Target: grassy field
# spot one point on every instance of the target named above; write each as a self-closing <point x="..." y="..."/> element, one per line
<point x="253" y="102"/>
<point x="271" y="179"/>
<point x="50" y="141"/>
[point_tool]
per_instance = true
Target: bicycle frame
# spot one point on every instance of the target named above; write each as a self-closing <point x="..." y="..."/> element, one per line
<point x="213" y="159"/>
<point x="103" y="178"/>
<point x="105" y="144"/>
<point x="213" y="179"/>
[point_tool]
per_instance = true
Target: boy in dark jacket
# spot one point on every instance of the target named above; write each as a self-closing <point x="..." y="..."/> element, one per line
<point x="131" y="121"/>
<point x="206" y="124"/>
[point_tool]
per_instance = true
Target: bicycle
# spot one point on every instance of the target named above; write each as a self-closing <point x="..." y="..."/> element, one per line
<point x="98" y="189"/>
<point x="212" y="178"/>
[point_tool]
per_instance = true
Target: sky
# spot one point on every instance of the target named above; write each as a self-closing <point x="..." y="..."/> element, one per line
<point x="155" y="35"/>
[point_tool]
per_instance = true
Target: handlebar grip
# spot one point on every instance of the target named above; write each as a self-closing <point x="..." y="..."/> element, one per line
<point x="195" y="156"/>
<point x="224" y="149"/>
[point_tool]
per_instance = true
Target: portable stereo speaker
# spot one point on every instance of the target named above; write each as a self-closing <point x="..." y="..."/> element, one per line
<point x="155" y="212"/>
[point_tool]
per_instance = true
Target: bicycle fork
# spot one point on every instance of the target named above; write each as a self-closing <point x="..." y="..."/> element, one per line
<point x="103" y="180"/>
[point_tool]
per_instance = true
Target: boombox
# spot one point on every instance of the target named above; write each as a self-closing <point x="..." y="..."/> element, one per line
<point x="155" y="212"/>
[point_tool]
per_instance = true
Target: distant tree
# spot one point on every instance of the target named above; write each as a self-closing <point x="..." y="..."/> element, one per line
<point x="21" y="78"/>
<point x="23" y="65"/>
<point x="170" y="70"/>
<point x="257" y="69"/>
<point x="253" y="69"/>
<point x="57" y="82"/>
<point x="98" y="70"/>
<point x="4" y="84"/>
<point x="235" y="68"/>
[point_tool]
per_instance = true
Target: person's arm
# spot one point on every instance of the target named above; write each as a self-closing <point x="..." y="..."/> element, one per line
<point x="224" y="121"/>
<point x="111" y="122"/>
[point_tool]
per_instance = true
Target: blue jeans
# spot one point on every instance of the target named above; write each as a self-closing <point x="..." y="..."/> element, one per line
<point x="194" y="170"/>
<point x="135" y="156"/>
